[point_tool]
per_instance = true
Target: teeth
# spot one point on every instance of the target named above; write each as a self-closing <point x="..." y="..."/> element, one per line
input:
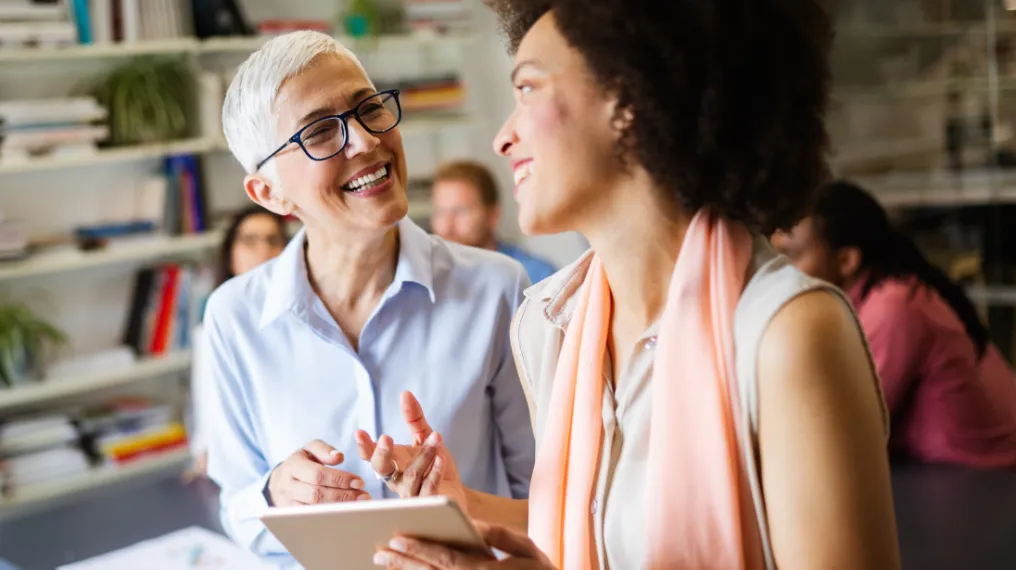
<point x="367" y="179"/>
<point x="523" y="172"/>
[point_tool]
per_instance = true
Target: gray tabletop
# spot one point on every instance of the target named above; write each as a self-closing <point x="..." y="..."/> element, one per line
<point x="949" y="519"/>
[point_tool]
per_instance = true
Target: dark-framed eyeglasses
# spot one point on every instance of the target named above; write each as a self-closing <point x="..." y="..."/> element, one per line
<point x="326" y="137"/>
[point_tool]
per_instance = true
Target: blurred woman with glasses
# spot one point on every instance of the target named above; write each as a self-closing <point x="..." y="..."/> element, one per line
<point x="360" y="306"/>
<point x="254" y="236"/>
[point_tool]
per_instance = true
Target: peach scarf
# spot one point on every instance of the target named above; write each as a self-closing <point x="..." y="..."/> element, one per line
<point x="699" y="509"/>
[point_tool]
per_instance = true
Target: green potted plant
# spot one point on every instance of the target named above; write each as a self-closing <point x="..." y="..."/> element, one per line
<point x="149" y="100"/>
<point x="23" y="335"/>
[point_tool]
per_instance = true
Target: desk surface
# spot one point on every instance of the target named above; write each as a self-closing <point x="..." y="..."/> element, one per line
<point x="948" y="519"/>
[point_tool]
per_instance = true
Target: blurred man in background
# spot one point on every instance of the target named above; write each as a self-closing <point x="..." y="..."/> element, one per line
<point x="466" y="210"/>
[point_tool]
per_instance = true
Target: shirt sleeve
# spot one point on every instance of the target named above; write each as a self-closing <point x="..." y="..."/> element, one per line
<point x="893" y="326"/>
<point x="511" y="410"/>
<point x="202" y="393"/>
<point x="235" y="460"/>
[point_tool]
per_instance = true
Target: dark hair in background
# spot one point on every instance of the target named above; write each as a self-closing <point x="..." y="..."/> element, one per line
<point x="473" y="173"/>
<point x="727" y="97"/>
<point x="846" y="215"/>
<point x="225" y="269"/>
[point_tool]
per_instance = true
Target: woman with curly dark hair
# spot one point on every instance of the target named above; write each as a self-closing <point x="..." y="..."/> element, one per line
<point x="697" y="401"/>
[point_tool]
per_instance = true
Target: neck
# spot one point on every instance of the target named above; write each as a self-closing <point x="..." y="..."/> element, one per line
<point x="637" y="242"/>
<point x="356" y="269"/>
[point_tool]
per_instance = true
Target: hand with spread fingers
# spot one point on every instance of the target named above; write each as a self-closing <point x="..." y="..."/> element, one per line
<point x="307" y="477"/>
<point x="409" y="554"/>
<point x="422" y="469"/>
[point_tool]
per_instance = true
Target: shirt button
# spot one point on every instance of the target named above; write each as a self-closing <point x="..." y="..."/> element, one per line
<point x="650" y="343"/>
<point x="593" y="507"/>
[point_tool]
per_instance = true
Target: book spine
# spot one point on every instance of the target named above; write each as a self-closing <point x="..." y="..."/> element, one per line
<point x="131" y="17"/>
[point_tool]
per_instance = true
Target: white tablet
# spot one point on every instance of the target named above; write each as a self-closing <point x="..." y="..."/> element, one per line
<point x="346" y="535"/>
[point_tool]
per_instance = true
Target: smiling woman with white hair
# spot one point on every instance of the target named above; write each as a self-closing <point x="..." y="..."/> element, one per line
<point x="362" y="304"/>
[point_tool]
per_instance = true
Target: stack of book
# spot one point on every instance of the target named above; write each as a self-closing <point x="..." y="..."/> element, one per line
<point x="129" y="429"/>
<point x="165" y="307"/>
<point x="39" y="451"/>
<point x="441" y="16"/>
<point x="104" y="21"/>
<point x="430" y="94"/>
<point x="24" y="24"/>
<point x="30" y="128"/>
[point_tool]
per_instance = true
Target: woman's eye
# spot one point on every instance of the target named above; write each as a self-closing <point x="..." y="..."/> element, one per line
<point x="524" y="88"/>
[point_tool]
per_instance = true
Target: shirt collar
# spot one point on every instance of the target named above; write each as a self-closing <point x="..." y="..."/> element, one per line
<point x="558" y="292"/>
<point x="289" y="283"/>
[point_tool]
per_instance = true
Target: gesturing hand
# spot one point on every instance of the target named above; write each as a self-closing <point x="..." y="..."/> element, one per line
<point x="305" y="479"/>
<point x="424" y="468"/>
<point x="409" y="554"/>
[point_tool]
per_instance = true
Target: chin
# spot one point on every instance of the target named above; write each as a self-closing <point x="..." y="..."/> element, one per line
<point x="535" y="224"/>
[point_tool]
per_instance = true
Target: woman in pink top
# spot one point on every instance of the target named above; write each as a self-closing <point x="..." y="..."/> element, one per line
<point x="950" y="393"/>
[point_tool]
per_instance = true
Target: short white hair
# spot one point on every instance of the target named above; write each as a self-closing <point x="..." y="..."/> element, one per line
<point x="247" y="118"/>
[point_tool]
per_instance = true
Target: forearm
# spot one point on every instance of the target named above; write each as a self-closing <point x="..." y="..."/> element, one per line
<point x="492" y="509"/>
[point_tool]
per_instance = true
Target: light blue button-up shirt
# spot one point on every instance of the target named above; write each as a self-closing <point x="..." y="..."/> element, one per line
<point x="286" y="374"/>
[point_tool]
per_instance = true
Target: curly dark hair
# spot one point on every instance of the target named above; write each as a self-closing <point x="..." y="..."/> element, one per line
<point x="727" y="97"/>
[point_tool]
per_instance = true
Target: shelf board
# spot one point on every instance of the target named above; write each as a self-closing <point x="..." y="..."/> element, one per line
<point x="221" y="45"/>
<point x="108" y="156"/>
<point x="95" y="478"/>
<point x="925" y="30"/>
<point x="942" y="188"/>
<point x="917" y="89"/>
<point x="993" y="296"/>
<point x="858" y="155"/>
<point x="65" y="387"/>
<point x="143" y="249"/>
<point x="100" y="51"/>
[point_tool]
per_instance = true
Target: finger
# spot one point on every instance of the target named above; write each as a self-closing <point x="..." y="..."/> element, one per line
<point x="508" y="541"/>
<point x="309" y="472"/>
<point x="382" y="461"/>
<point x="396" y="561"/>
<point x="314" y="494"/>
<point x="433" y="555"/>
<point x="414" y="473"/>
<point x="412" y="412"/>
<point x="323" y="453"/>
<point x="434" y="477"/>
<point x="364" y="445"/>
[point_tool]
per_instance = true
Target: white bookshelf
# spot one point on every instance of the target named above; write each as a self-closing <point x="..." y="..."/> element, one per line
<point x="130" y="251"/>
<point x="45" y="391"/>
<point x="42" y="494"/>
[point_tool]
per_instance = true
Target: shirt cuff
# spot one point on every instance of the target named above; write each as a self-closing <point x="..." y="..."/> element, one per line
<point x="253" y="502"/>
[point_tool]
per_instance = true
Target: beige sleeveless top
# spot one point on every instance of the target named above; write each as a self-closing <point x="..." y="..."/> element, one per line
<point x="618" y="503"/>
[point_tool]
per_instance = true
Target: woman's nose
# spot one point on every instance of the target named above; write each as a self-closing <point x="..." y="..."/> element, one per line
<point x="360" y="140"/>
<point x="506" y="137"/>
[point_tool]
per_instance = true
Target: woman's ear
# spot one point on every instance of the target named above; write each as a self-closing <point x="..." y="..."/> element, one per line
<point x="262" y="192"/>
<point x="848" y="262"/>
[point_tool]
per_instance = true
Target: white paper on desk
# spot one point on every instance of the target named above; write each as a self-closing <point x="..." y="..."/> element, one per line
<point x="175" y="551"/>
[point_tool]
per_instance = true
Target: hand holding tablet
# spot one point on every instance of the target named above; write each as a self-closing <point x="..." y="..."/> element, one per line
<point x="348" y="535"/>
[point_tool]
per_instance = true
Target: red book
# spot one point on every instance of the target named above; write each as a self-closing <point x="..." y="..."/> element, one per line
<point x="166" y="310"/>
